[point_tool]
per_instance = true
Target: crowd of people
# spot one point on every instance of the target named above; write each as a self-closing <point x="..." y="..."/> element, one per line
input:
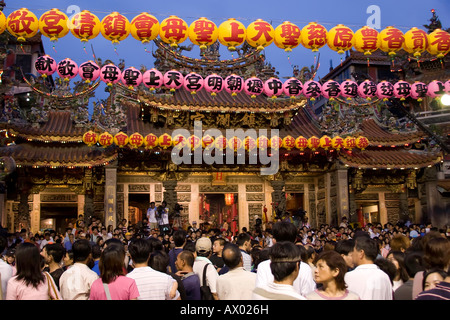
<point x="282" y="260"/>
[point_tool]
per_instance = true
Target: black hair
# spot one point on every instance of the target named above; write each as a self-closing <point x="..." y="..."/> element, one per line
<point x="55" y="250"/>
<point x="28" y="264"/>
<point x="96" y="251"/>
<point x="231" y="255"/>
<point x="344" y="246"/>
<point x="387" y="267"/>
<point x="284" y="231"/>
<point x="140" y="250"/>
<point x="368" y="245"/>
<point x="81" y="250"/>
<point x="159" y="261"/>
<point x="242" y="238"/>
<point x="179" y="237"/>
<point x="284" y="257"/>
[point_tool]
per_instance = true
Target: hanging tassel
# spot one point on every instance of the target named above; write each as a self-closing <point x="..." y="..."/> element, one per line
<point x="54" y="49"/>
<point x="21" y="47"/>
<point x="368" y="62"/>
<point x="84" y="48"/>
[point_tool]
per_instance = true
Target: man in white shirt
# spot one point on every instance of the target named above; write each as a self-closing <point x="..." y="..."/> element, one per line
<point x="203" y="249"/>
<point x="244" y="242"/>
<point x="285" y="263"/>
<point x="367" y="280"/>
<point x="6" y="271"/>
<point x="152" y="284"/>
<point x="304" y="283"/>
<point x="75" y="283"/>
<point x="151" y="216"/>
<point x="236" y="284"/>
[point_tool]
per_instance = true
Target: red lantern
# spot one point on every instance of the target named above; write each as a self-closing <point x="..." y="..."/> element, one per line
<point x="115" y="27"/>
<point x="390" y="40"/>
<point x="173" y="31"/>
<point x="144" y="27"/>
<point x="229" y="199"/>
<point x="22" y="24"/>
<point x="260" y="34"/>
<point x="314" y="36"/>
<point x="287" y="36"/>
<point x="136" y="140"/>
<point x="340" y="38"/>
<point x="203" y="32"/>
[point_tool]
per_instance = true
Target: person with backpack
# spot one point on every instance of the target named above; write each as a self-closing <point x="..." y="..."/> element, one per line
<point x="205" y="269"/>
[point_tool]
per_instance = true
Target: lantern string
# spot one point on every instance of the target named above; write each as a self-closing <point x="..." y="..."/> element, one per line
<point x="21" y="47"/>
<point x="84" y="48"/>
<point x="368" y="62"/>
<point x="54" y="49"/>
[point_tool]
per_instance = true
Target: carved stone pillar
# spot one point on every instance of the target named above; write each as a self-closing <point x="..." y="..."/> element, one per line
<point x="110" y="196"/>
<point x="89" y="193"/>
<point x="170" y="194"/>
<point x="23" y="219"/>
<point x="342" y="194"/>
<point x="278" y="195"/>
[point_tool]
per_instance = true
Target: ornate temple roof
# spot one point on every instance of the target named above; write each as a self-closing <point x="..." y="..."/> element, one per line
<point x="58" y="155"/>
<point x="391" y="159"/>
<point x="378" y="136"/>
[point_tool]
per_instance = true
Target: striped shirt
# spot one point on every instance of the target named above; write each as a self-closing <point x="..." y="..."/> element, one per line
<point x="152" y="284"/>
<point x="440" y="292"/>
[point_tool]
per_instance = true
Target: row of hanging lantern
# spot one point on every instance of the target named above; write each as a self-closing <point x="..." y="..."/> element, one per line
<point x="166" y="141"/>
<point x="173" y="30"/>
<point x="153" y="79"/>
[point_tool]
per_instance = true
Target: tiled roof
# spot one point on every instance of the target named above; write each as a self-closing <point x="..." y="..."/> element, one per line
<point x="393" y="159"/>
<point x="66" y="155"/>
<point x="183" y="100"/>
<point x="378" y="136"/>
<point x="59" y="127"/>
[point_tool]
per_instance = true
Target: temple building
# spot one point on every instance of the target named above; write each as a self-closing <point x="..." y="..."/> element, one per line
<point x="50" y="176"/>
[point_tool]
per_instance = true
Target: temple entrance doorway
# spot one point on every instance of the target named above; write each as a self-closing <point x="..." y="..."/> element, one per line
<point x="138" y="203"/>
<point x="56" y="216"/>
<point x="295" y="207"/>
<point x="219" y="210"/>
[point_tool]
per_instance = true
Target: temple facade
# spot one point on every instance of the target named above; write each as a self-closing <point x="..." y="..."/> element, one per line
<point x="50" y="176"/>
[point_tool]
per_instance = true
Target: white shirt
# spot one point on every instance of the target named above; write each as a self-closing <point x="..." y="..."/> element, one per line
<point x="236" y="284"/>
<point x="247" y="261"/>
<point x="151" y="215"/>
<point x="211" y="273"/>
<point x="165" y="216"/>
<point x="303" y="285"/>
<point x="6" y="272"/>
<point x="75" y="283"/>
<point x="152" y="284"/>
<point x="369" y="282"/>
<point x="283" y="289"/>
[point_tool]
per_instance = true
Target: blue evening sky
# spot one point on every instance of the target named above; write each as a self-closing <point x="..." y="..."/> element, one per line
<point x="403" y="14"/>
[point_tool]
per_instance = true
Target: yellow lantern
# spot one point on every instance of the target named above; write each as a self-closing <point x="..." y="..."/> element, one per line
<point x="337" y="143"/>
<point x="340" y="38"/>
<point x="203" y="32"/>
<point x="232" y="33"/>
<point x="287" y="36"/>
<point x="313" y="36"/>
<point x="362" y="142"/>
<point x="366" y="40"/>
<point x="136" y="140"/>
<point x="90" y="138"/>
<point x="288" y="142"/>
<point x="325" y="142"/>
<point x="85" y="26"/>
<point x="173" y="31"/>
<point x="195" y="142"/>
<point x="416" y="41"/>
<point x="313" y="143"/>
<point x="144" y="27"/>
<point x="53" y="24"/>
<point x="220" y="142"/>
<point x="275" y="142"/>
<point x="2" y="22"/>
<point x="179" y="141"/>
<point x="249" y="144"/>
<point x="105" y="139"/>
<point x="349" y="143"/>
<point x="115" y="27"/>
<point x="439" y="43"/>
<point x="23" y="24"/>
<point x="165" y="141"/>
<point x="207" y="141"/>
<point x="260" y="34"/>
<point x="301" y="143"/>
<point x="235" y="143"/>
<point x="390" y="40"/>
<point x="150" y="141"/>
<point x="262" y="142"/>
<point x="121" y="139"/>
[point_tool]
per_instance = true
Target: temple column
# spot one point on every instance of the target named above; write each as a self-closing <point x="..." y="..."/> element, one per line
<point x="278" y="195"/>
<point x="342" y="194"/>
<point x="434" y="205"/>
<point x="86" y="205"/>
<point x="382" y="208"/>
<point x="170" y="195"/>
<point x="110" y="195"/>
<point x="3" y="204"/>
<point x="194" y="204"/>
<point x="244" y="219"/>
<point x="24" y="219"/>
